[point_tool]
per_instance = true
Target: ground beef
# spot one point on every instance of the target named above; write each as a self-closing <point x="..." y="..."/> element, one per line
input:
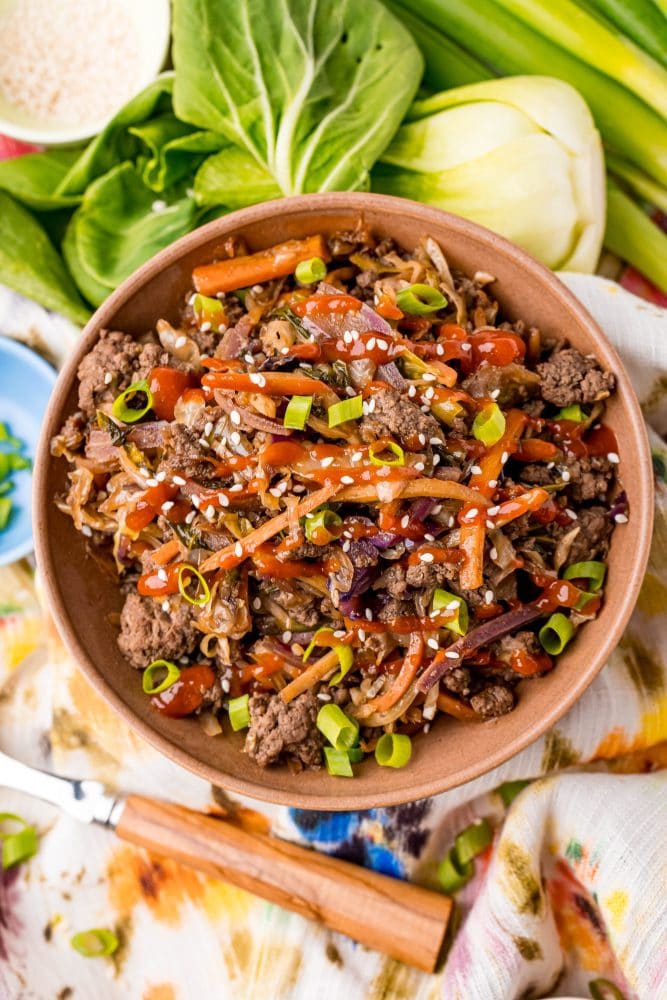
<point x="395" y="609"/>
<point x="449" y="473"/>
<point x="513" y="383"/>
<point x="148" y="633"/>
<point x="299" y="605"/>
<point x="458" y="681"/>
<point x="278" y="730"/>
<point x="115" y="362"/>
<point x="309" y="550"/>
<point x="72" y="431"/>
<point x="393" y="581"/>
<point x="363" y="554"/>
<point x="430" y="575"/>
<point x="537" y="474"/>
<point x="395" y="416"/>
<point x="479" y="305"/>
<point x="569" y="377"/>
<point x="183" y="454"/>
<point x="589" y="477"/>
<point x="525" y="642"/>
<point x="492" y="701"/>
<point x="206" y="340"/>
<point x="592" y="540"/>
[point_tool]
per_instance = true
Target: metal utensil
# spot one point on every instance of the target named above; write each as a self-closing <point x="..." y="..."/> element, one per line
<point x="399" y="919"/>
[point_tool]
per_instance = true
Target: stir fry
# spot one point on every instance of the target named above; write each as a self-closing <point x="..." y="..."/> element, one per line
<point x="343" y="495"/>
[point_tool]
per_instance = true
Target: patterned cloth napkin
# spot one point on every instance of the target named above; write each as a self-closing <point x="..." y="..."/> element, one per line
<point x="571" y="890"/>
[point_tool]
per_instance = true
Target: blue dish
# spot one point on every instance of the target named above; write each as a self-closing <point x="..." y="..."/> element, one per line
<point x="26" y="381"/>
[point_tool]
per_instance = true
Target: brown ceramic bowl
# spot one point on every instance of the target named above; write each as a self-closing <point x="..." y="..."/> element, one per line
<point x="82" y="600"/>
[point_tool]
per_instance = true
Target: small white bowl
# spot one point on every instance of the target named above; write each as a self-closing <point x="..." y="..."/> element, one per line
<point x="152" y="18"/>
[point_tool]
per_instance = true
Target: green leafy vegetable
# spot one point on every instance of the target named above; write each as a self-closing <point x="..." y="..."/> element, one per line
<point x="641" y="21"/>
<point x="233" y="178"/>
<point x="635" y="237"/>
<point x="312" y="92"/>
<point x="176" y="150"/>
<point x="30" y="264"/>
<point x="33" y="179"/>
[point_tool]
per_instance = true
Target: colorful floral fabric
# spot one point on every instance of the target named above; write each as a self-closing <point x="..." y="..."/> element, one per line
<point x="571" y="890"/>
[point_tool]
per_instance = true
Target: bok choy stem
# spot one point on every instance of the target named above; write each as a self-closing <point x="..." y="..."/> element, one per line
<point x="634" y="237"/>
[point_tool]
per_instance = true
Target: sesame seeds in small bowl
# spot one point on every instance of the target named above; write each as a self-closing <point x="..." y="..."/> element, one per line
<point x="66" y="68"/>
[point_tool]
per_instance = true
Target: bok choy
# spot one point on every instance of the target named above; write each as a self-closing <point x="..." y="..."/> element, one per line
<point x="520" y="155"/>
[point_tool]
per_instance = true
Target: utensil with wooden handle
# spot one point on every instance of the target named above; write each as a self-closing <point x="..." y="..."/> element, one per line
<point x="402" y="920"/>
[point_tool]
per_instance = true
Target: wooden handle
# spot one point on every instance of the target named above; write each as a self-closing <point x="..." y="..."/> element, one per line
<point x="394" y="917"/>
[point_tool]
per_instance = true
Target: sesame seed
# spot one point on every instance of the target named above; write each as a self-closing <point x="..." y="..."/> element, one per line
<point x="490" y="524"/>
<point x="357" y="457"/>
<point x="412" y="392"/>
<point x="433" y="643"/>
<point x="346" y="545"/>
<point x="203" y="442"/>
<point x="469" y="514"/>
<point x="299" y="488"/>
<point x="257" y="379"/>
<point x="450" y="523"/>
<point x="196" y="501"/>
<point x="476" y="470"/>
<point x="205" y="327"/>
<point x="571" y="514"/>
<point x="488" y="597"/>
<point x="362" y="634"/>
<point x="347" y="337"/>
<point x="494" y="553"/>
<point x="370" y="343"/>
<point x="405" y="520"/>
<point x="327" y="461"/>
<point x="440" y="350"/>
<point x="189" y="518"/>
<point x="167" y="505"/>
<point x="429" y="538"/>
<point x="620" y="519"/>
<point x="347" y="480"/>
<point x="257" y="604"/>
<point x="369" y="614"/>
<point x="613" y="457"/>
<point x="452" y="606"/>
<point x="161" y="476"/>
<point x="493" y="483"/>
<point x="248" y="358"/>
<point x="565" y="476"/>
<point x="371" y="405"/>
<point x="286" y="636"/>
<point x="495" y="394"/>
<point x="108" y="378"/>
<point x="323" y="696"/>
<point x="504" y="457"/>
<point x="382" y="344"/>
<point x="422" y="439"/>
<point x="436" y="460"/>
<point x="429" y="393"/>
<point x="419" y="466"/>
<point x="225" y="685"/>
<point x="339" y="633"/>
<point x="426" y="557"/>
<point x="178" y="481"/>
<point x="466" y="347"/>
<point x="429" y="377"/>
<point x="86" y="530"/>
<point x="492" y="511"/>
<point x="180" y="341"/>
<point x="451" y="654"/>
<point x="223" y="499"/>
<point x="162" y="575"/>
<point x="283" y="350"/>
<point x="238" y="550"/>
<point x="235" y="417"/>
<point x="151" y="482"/>
<point x="235" y="438"/>
<point x="437" y="509"/>
<point x="165" y="606"/>
<point x="210" y="512"/>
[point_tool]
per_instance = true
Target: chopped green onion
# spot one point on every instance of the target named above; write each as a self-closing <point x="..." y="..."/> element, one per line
<point x="297" y="412"/>
<point x="341" y="731"/>
<point x="584" y="599"/>
<point x="573" y="413"/>
<point x="17" y="846"/>
<point x="208" y="310"/>
<point x="239" y="712"/>
<point x="556" y="634"/>
<point x="393" y="750"/>
<point x="391" y="446"/>
<point x="489" y="425"/>
<point x="446" y="411"/>
<point x="509" y="790"/>
<point x="346" y="659"/>
<point x="420" y="300"/>
<point x="5" y="512"/>
<point x="134" y="403"/>
<point x="452" y="875"/>
<point x="443" y="599"/>
<point x="592" y="570"/>
<point x="325" y="630"/>
<point x="472" y="841"/>
<point x="149" y="683"/>
<point x="338" y="763"/>
<point x="356" y="754"/>
<point x="604" y="989"/>
<point x="323" y="527"/>
<point x="309" y="271"/>
<point x="205" y="595"/>
<point x="96" y="943"/>
<point x="347" y="409"/>
<point x="8" y="437"/>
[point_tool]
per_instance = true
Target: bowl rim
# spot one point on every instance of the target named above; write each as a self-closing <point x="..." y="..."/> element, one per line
<point x="343" y="202"/>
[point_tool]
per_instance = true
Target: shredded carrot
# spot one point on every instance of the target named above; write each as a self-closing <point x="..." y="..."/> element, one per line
<point x="314" y="673"/>
<point x="233" y="555"/>
<point x="403" y="680"/>
<point x="275" y="262"/>
<point x="456" y="708"/>
<point x="525" y="503"/>
<point x="440" y="488"/>
<point x="268" y="383"/>
<point x="471" y="541"/>
<point x="165" y="553"/>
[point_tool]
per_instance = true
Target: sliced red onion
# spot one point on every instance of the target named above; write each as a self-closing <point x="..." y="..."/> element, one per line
<point x="420" y="509"/>
<point x="619" y="505"/>
<point x="149" y="435"/>
<point x="389" y="373"/>
<point x="385" y="540"/>
<point x="235" y="340"/>
<point x="360" y="584"/>
<point x="483" y="635"/>
<point x="363" y="320"/>
<point x="250" y="418"/>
